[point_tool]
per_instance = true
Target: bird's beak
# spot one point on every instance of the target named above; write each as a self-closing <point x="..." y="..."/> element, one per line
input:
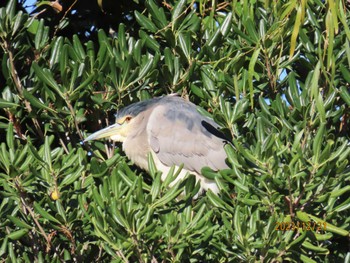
<point x="106" y="132"/>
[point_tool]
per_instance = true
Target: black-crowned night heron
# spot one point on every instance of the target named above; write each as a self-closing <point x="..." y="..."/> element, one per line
<point x="174" y="132"/>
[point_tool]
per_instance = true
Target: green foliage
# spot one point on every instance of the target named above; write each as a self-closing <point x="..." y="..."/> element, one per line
<point x="274" y="75"/>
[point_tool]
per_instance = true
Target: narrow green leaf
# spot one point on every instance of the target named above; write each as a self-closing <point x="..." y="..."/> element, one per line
<point x="323" y="237"/>
<point x="35" y="102"/>
<point x="122" y="38"/>
<point x="149" y="41"/>
<point x="316" y="94"/>
<point x="317" y="143"/>
<point x="119" y="218"/>
<point x="321" y="108"/>
<point x="199" y="215"/>
<point x="343" y="206"/>
<point x="303" y="216"/>
<point x="169" y="196"/>
<point x="327" y="226"/>
<point x="10" y="137"/>
<point x="218" y="202"/>
<point x="297" y="139"/>
<point x="45" y="214"/>
<point x="125" y="178"/>
<point x="176" y="73"/>
<point x="172" y="175"/>
<point x="298" y="241"/>
<point x="47" y="152"/>
<point x="231" y="155"/>
<point x="207" y="81"/>
<point x="334" y="11"/>
<point x="344" y="94"/>
<point x="56" y="51"/>
<point x="72" y="177"/>
<point x="242" y="34"/>
<point x="145" y="69"/>
<point x="100" y="232"/>
<point x="226" y="25"/>
<point x="306" y="259"/>
<point x="295" y="32"/>
<point x="237" y="222"/>
<point x="260" y="133"/>
<point x="169" y="59"/>
<point x="11" y="9"/>
<point x="251" y="72"/>
<point x="7" y="104"/>
<point x="60" y="210"/>
<point x="314" y="81"/>
<point x="343" y="19"/>
<point x="97" y="198"/>
<point x="152" y="166"/>
<point x="157" y="13"/>
<point x="145" y="22"/>
<point x="102" y="53"/>
<point x="227" y="223"/>
<point x="137" y="51"/>
<point x="310" y="246"/>
<point x="18" y="234"/>
<point x="90" y="50"/>
<point x="142" y="227"/>
<point x="176" y="12"/>
<point x="63" y="62"/>
<point x="156" y="186"/>
<point x="3" y="247"/>
<point x="330" y="33"/>
<point x="39" y="34"/>
<point x="245" y="152"/>
<point x="207" y="172"/>
<point x="11" y="253"/>
<point x="4" y="157"/>
<point x="18" y="222"/>
<point x="339" y="192"/>
<point x="46" y="76"/>
<point x="251" y="29"/>
<point x="185" y="44"/>
<point x="214" y="38"/>
<point x="35" y="153"/>
<point x="240" y="186"/>
<point x="78" y="47"/>
<point x="249" y="202"/>
<point x="18" y="22"/>
<point x="264" y="106"/>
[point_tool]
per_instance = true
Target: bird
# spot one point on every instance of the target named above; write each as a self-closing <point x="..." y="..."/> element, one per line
<point x="173" y="131"/>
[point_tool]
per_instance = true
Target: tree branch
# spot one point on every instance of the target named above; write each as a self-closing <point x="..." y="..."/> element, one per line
<point x="19" y="87"/>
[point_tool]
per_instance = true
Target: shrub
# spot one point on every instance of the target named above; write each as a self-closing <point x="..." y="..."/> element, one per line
<point x="275" y="75"/>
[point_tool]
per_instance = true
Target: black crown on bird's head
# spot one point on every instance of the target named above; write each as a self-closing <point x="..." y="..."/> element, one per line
<point x="141" y="106"/>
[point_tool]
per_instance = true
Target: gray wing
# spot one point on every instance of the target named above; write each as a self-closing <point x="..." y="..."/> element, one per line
<point x="178" y="134"/>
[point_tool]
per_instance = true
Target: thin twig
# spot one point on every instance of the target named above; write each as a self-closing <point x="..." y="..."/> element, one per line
<point x="64" y="16"/>
<point x="19" y="86"/>
<point x="269" y="73"/>
<point x="63" y="145"/>
<point x="291" y="201"/>
<point x="121" y="255"/>
<point x="29" y="209"/>
<point x="74" y="118"/>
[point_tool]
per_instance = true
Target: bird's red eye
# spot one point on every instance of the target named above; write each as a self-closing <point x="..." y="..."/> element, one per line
<point x="128" y="118"/>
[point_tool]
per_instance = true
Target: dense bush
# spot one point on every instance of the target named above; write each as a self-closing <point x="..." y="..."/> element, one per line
<point x="274" y="74"/>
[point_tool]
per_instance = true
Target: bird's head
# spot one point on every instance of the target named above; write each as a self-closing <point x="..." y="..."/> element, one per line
<point x="116" y="132"/>
<point x="127" y="119"/>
